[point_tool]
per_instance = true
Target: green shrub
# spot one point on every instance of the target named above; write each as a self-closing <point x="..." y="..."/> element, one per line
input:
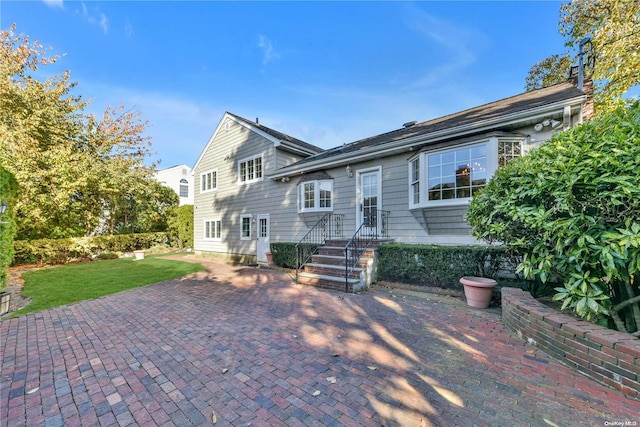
<point x="60" y="251"/>
<point x="284" y="254"/>
<point x="442" y="266"/>
<point x="572" y="208"/>
<point x="181" y="226"/>
<point x="8" y="192"/>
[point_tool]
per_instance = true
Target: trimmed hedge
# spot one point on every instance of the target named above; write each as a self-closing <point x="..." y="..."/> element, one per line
<point x="60" y="251"/>
<point x="442" y="266"/>
<point x="284" y="254"/>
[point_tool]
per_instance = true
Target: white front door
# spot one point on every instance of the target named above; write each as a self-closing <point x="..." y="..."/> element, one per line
<point x="369" y="200"/>
<point x="264" y="243"/>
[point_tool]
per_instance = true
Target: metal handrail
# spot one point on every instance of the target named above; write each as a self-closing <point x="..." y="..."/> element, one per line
<point x="361" y="240"/>
<point x="327" y="227"/>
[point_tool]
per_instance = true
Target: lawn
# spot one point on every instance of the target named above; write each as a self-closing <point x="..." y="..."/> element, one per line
<point x="56" y="286"/>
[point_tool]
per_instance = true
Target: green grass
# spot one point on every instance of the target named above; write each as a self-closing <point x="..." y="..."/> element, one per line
<point x="53" y="287"/>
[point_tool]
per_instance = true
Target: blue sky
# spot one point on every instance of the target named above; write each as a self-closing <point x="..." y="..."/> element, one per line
<point x="325" y="72"/>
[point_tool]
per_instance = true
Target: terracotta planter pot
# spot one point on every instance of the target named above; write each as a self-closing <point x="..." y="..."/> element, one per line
<point x="269" y="258"/>
<point x="478" y="290"/>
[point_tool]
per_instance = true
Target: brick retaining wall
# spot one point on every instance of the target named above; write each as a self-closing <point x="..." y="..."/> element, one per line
<point x="610" y="357"/>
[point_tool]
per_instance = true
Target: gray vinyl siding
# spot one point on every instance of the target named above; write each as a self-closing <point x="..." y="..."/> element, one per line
<point x="231" y="200"/>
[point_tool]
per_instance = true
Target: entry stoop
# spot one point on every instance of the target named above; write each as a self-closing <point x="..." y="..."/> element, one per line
<point x="327" y="268"/>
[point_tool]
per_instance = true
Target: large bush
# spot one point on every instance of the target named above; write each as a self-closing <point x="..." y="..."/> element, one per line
<point x="180" y="222"/>
<point x="8" y="190"/>
<point x="572" y="209"/>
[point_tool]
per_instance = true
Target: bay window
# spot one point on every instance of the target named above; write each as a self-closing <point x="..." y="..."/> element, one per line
<point x="314" y="196"/>
<point x="453" y="176"/>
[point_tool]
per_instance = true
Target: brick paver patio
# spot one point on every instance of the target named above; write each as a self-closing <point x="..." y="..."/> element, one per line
<point x="243" y="346"/>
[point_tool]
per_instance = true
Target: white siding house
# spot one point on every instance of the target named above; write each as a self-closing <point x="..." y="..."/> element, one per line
<point x="180" y="180"/>
<point x="415" y="182"/>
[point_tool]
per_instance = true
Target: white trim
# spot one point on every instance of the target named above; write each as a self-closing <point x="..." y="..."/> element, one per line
<point x="205" y="229"/>
<point x="407" y="144"/>
<point x="263" y="241"/>
<point x="316" y="197"/>
<point x="250" y="217"/>
<point x="248" y="159"/>
<point x="491" y="167"/>
<point x="358" y="175"/>
<point x="213" y="188"/>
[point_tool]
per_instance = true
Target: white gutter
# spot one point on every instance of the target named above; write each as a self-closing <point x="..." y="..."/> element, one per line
<point x="408" y="143"/>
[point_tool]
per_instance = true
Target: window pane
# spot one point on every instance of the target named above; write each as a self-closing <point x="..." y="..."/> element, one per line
<point x="258" y="167"/>
<point x="309" y="195"/>
<point x="416" y="192"/>
<point x="325" y="188"/>
<point x="243" y="171"/>
<point x="246" y="227"/>
<point x="218" y="229"/>
<point x="249" y="170"/>
<point x="448" y="157"/>
<point x="434" y="171"/>
<point x="184" y="190"/>
<point x="214" y="179"/>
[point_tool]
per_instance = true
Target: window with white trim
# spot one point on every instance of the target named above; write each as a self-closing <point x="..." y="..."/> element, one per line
<point x="453" y="176"/>
<point x="245" y="227"/>
<point x="209" y="181"/>
<point x="250" y="170"/>
<point x="184" y="188"/>
<point x="508" y="150"/>
<point x="457" y="174"/>
<point x="314" y="196"/>
<point x="212" y="229"/>
<point x="414" y="181"/>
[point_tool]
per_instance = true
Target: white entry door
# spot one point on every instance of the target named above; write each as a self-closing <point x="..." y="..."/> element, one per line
<point x="264" y="242"/>
<point x="369" y="200"/>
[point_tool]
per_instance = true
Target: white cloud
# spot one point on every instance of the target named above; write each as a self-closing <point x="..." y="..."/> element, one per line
<point x="460" y="46"/>
<point x="128" y="29"/>
<point x="54" y="3"/>
<point x="269" y="54"/>
<point x="104" y="23"/>
<point x="94" y="17"/>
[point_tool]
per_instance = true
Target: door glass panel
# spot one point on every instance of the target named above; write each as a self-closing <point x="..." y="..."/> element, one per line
<point x="263" y="227"/>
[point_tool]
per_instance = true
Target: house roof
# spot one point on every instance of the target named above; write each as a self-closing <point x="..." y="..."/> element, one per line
<point x="282" y="140"/>
<point x="483" y="118"/>
<point x="282" y="137"/>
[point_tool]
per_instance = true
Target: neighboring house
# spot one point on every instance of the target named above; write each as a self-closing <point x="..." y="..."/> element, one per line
<point x="180" y="180"/>
<point x="256" y="185"/>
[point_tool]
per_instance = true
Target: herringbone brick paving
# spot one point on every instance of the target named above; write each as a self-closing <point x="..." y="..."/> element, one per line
<point x="243" y="346"/>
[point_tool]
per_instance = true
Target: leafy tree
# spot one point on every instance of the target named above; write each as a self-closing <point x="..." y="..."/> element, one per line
<point x="70" y="166"/>
<point x="549" y="71"/>
<point x="572" y="209"/>
<point x="614" y="28"/>
<point x="157" y="204"/>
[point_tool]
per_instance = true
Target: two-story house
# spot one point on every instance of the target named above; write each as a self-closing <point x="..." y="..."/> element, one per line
<point x="255" y="185"/>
